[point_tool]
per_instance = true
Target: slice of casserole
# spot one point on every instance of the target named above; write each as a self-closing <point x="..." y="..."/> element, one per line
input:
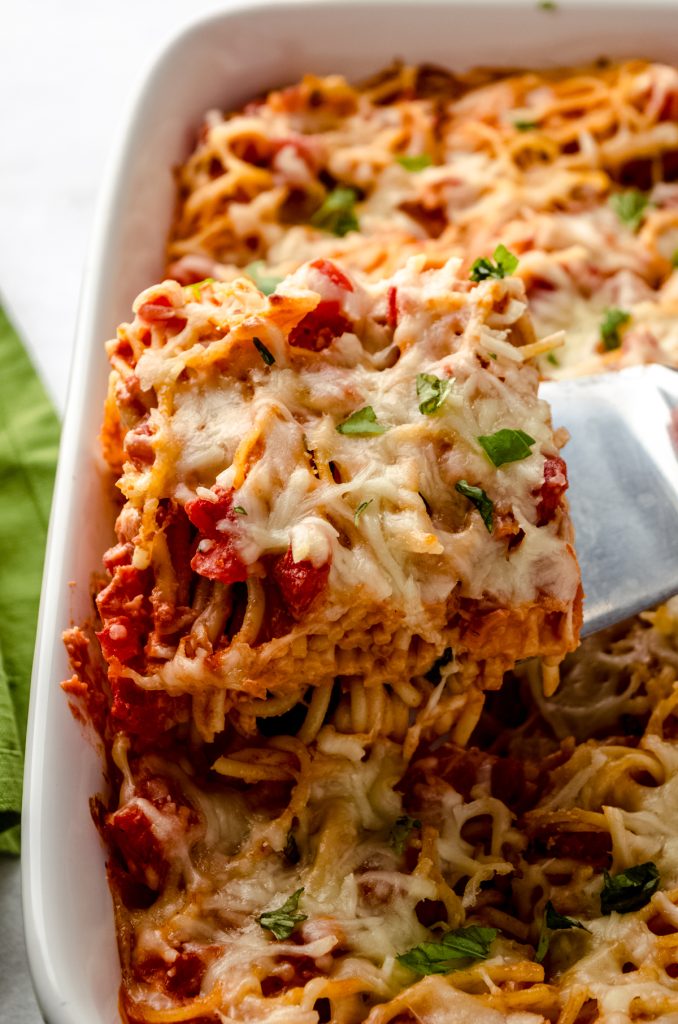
<point x="344" y="479"/>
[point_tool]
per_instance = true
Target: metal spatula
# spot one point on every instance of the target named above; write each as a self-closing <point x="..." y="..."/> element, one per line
<point x="623" y="471"/>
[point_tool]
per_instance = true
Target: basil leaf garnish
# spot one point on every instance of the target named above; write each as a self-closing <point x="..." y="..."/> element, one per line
<point x="337" y="213"/>
<point x="629" y="890"/>
<point x="505" y="263"/>
<point x="630" y="207"/>
<point x="415" y="163"/>
<point x="400" y="833"/>
<point x="362" y="422"/>
<point x="265" y="282"/>
<point x="551" y="922"/>
<point x="284" y="920"/>
<point x="506" y="446"/>
<point x="609" y="328"/>
<point x="477" y="497"/>
<point x="431" y="392"/>
<point x="462" y="945"/>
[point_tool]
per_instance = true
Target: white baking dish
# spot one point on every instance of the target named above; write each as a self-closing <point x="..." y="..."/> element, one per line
<point x="221" y="61"/>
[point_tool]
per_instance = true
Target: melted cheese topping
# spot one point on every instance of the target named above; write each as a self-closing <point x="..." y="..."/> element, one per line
<point x="530" y="160"/>
<point x="380" y="512"/>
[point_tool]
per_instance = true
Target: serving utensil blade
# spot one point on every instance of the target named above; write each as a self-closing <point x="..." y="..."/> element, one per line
<point x="622" y="463"/>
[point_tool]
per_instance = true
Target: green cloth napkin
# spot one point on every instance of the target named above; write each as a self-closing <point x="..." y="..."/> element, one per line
<point x="29" y="437"/>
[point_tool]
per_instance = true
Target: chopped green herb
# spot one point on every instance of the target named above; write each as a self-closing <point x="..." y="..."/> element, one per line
<point x="362" y="422"/>
<point x="431" y="392"/>
<point x="630" y="207"/>
<point x="505" y="263"/>
<point x="337" y="213"/>
<point x="265" y="282"/>
<point x="547" y="5"/>
<point x="196" y="288"/>
<point x="477" y="497"/>
<point x="267" y="356"/>
<point x="400" y="833"/>
<point x="630" y="890"/>
<point x="553" y="921"/>
<point x="506" y="446"/>
<point x="524" y="125"/>
<point x="283" y="921"/>
<point x="674" y="259"/>
<point x="240" y="510"/>
<point x="552" y="359"/>
<point x="291" y="849"/>
<point x="609" y="328"/>
<point x="452" y="951"/>
<point x="360" y="509"/>
<point x="543" y="944"/>
<point x="415" y="163"/>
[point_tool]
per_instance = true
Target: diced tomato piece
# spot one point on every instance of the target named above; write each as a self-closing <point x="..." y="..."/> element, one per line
<point x="119" y="639"/>
<point x="318" y="329"/>
<point x="392" y="315"/>
<point x="122" y="594"/>
<point x="130" y="833"/>
<point x="119" y="554"/>
<point x="123" y="607"/>
<point x="331" y="271"/>
<point x="220" y="559"/>
<point x="181" y="977"/>
<point x="220" y="562"/>
<point x="206" y="514"/>
<point x="140" y="712"/>
<point x="299" y="582"/>
<point x="551" y="491"/>
<point x="161" y="311"/>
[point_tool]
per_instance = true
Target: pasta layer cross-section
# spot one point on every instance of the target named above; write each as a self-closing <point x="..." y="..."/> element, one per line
<point x="341" y="479"/>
